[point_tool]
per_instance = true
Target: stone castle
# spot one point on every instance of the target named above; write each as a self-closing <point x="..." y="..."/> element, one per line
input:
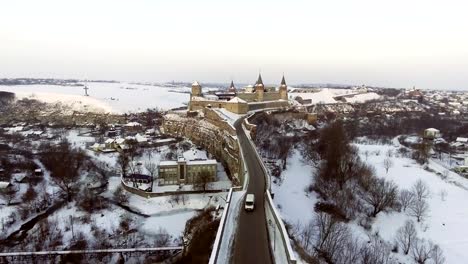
<point x="251" y="98"/>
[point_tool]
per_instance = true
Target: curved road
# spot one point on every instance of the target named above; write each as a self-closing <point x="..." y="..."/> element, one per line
<point x="251" y="242"/>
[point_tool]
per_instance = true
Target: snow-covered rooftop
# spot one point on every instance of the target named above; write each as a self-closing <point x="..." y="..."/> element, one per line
<point x="237" y="100"/>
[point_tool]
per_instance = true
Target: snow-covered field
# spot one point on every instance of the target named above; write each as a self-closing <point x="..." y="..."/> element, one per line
<point x="447" y="218"/>
<point x="327" y="96"/>
<point x="290" y="196"/>
<point x="105" y="97"/>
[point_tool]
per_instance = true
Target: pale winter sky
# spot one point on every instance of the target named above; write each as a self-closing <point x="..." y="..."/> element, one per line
<point x="397" y="43"/>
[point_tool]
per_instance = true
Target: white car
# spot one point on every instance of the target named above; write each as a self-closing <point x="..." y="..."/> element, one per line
<point x="249" y="202"/>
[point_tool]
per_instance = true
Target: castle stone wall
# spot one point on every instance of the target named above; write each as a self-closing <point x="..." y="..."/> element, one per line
<point x="214" y="139"/>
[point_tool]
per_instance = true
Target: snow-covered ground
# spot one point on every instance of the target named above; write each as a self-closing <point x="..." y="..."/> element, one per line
<point x="445" y="224"/>
<point x="361" y="98"/>
<point x="447" y="218"/>
<point x="165" y="212"/>
<point x="105" y="97"/>
<point x="327" y="95"/>
<point x="295" y="205"/>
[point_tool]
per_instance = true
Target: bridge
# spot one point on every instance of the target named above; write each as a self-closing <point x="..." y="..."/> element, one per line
<point x="261" y="236"/>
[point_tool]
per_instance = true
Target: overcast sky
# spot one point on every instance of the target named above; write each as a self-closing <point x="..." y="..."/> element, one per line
<point x="397" y="43"/>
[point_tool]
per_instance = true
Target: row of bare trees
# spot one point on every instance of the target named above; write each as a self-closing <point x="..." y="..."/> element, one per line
<point x="348" y="189"/>
<point x="328" y="239"/>
<point x="420" y="249"/>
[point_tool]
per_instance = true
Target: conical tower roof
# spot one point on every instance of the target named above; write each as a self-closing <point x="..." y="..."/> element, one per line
<point x="259" y="81"/>
<point x="283" y="81"/>
<point x="232" y="88"/>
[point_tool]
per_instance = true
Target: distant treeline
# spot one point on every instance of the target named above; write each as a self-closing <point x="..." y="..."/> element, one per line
<point x="50" y="81"/>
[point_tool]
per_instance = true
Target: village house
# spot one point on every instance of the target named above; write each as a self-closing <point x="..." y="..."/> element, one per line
<point x="133" y="127"/>
<point x="140" y="181"/>
<point x="431" y="133"/>
<point x="182" y="171"/>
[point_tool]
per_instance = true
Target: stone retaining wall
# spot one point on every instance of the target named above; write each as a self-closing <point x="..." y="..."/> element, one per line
<point x="216" y="140"/>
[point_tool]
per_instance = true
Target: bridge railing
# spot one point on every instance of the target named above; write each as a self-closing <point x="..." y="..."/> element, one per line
<point x="219" y="234"/>
<point x="90" y="251"/>
<point x="277" y="233"/>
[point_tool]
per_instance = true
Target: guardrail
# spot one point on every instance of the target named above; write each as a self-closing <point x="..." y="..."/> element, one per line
<point x="220" y="232"/>
<point x="275" y="223"/>
<point x="89" y="251"/>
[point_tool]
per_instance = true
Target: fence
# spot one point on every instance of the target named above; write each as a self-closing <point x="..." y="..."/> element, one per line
<point x="277" y="234"/>
<point x="219" y="234"/>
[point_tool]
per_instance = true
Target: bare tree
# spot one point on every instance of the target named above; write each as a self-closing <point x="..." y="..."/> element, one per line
<point x="178" y="197"/>
<point x="420" y="190"/>
<point x="406" y="199"/>
<point x="388" y="163"/>
<point x="380" y="195"/>
<point x="202" y="181"/>
<point x="120" y="195"/>
<point x="151" y="167"/>
<point x="331" y="236"/>
<point x="375" y="251"/>
<point x="421" y="251"/>
<point x="64" y="163"/>
<point x="389" y="153"/>
<point x="437" y="255"/>
<point x="102" y="171"/>
<point x="406" y="235"/>
<point x="419" y="209"/>
<point x="306" y="235"/>
<point x="123" y="161"/>
<point x="163" y="238"/>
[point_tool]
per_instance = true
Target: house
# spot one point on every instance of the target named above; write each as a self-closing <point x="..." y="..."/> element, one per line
<point x="182" y="171"/>
<point x="164" y="142"/>
<point x="431" y="133"/>
<point x="110" y="143"/>
<point x="140" y="181"/>
<point x="150" y="132"/>
<point x="141" y="140"/>
<point x="112" y="133"/>
<point x="133" y="127"/>
<point x="38" y="172"/>
<point x="4" y="185"/>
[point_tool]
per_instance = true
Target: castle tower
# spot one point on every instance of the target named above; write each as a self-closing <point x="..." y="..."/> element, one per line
<point x="232" y="88"/>
<point x="283" y="90"/>
<point x="196" y="89"/>
<point x="259" y="88"/>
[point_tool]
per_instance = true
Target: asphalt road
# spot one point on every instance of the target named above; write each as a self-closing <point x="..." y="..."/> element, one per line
<point x="251" y="242"/>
